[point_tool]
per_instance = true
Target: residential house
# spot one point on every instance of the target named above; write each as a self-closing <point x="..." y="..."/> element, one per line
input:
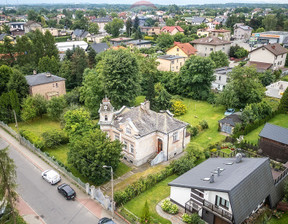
<point x="242" y="32"/>
<point x="198" y="20"/>
<point x="274" y="142"/>
<point x="276" y="89"/>
<point x="64" y="46"/>
<point x="206" y="45"/>
<point x="150" y="31"/>
<point x="227" y="190"/>
<point x="99" y="47"/>
<point x="96" y="37"/>
<point x="79" y="34"/>
<point x="171" y="63"/>
<point x="271" y="37"/>
<point x="119" y="40"/>
<point x="139" y="43"/>
<point x="17" y="28"/>
<point x="172" y="30"/>
<point x="221" y="78"/>
<point x="46" y="84"/>
<point x="144" y="133"/>
<point x="32" y="26"/>
<point x="272" y="55"/>
<point x="203" y="32"/>
<point x="102" y="22"/>
<point x="228" y="123"/>
<point x="221" y="33"/>
<point x="182" y="49"/>
<point x="53" y="31"/>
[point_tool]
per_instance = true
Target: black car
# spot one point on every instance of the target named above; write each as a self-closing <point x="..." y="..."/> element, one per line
<point x="106" y="220"/>
<point x="66" y="191"/>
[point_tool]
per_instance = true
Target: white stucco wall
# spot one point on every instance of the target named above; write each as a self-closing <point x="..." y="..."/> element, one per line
<point x="180" y="194"/>
<point x="205" y="50"/>
<point x="211" y="197"/>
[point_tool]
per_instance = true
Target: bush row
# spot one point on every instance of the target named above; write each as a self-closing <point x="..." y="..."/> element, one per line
<point x="53" y="138"/>
<point x="192" y="219"/>
<point x="169" y="207"/>
<point x="194" y="130"/>
<point x="34" y="139"/>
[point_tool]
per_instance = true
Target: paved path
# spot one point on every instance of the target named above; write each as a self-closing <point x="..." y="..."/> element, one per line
<point x="39" y="201"/>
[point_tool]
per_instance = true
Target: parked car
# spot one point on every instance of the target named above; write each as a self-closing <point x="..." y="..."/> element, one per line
<point x="229" y="111"/>
<point x="106" y="220"/>
<point x="51" y="176"/>
<point x="66" y="191"/>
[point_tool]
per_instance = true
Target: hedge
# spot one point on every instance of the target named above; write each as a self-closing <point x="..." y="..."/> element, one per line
<point x="34" y="139"/>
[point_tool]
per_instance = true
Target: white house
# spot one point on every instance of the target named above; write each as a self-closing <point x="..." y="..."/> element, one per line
<point x="227" y="190"/>
<point x="64" y="46"/>
<point x="145" y="134"/>
<point x="221" y="78"/>
<point x="273" y="54"/>
<point x="276" y="89"/>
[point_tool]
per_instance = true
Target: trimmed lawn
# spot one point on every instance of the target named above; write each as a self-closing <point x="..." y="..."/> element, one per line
<point x="121" y="170"/>
<point x="153" y="196"/>
<point x="198" y="111"/>
<point x="282" y="220"/>
<point x="280" y="119"/>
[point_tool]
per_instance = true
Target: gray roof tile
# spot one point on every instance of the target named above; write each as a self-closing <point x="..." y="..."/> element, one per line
<point x="42" y="78"/>
<point x="274" y="132"/>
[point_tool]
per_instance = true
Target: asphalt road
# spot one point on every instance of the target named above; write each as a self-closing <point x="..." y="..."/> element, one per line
<point x="43" y="197"/>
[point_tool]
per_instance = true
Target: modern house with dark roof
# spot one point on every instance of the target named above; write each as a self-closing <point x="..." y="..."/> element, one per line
<point x="273" y="55"/>
<point x="145" y="134"/>
<point x="274" y="142"/>
<point x="99" y="47"/>
<point x="46" y="84"/>
<point x="79" y="34"/>
<point x="228" y="123"/>
<point x="227" y="190"/>
<point x="206" y="45"/>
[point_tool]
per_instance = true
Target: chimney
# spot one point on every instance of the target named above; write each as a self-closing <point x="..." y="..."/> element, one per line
<point x="34" y="72"/>
<point x="218" y="171"/>
<point x="212" y="178"/>
<point x="145" y="105"/>
<point x="48" y="74"/>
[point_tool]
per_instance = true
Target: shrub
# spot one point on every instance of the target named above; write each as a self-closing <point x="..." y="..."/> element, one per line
<point x="54" y="138"/>
<point x="192" y="219"/>
<point x="193" y="130"/>
<point x="204" y="125"/>
<point x="34" y="139"/>
<point x="148" y="38"/>
<point x="146" y="217"/>
<point x="169" y="207"/>
<point x="182" y="165"/>
<point x="178" y="108"/>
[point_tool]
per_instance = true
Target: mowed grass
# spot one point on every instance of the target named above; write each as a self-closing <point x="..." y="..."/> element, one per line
<point x="282" y="220"/>
<point x="201" y="110"/>
<point x="41" y="125"/>
<point x="280" y="120"/>
<point x="153" y="196"/>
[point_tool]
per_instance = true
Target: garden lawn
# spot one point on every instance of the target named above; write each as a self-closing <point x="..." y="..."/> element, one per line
<point x="282" y="220"/>
<point x="201" y="110"/>
<point x="280" y="119"/>
<point x="153" y="196"/>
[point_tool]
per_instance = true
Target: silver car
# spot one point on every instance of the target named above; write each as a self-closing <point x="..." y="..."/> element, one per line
<point x="51" y="176"/>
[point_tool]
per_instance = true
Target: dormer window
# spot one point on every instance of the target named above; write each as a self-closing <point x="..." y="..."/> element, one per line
<point x="128" y="130"/>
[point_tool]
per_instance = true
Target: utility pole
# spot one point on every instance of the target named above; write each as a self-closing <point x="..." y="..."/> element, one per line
<point x="112" y="185"/>
<point x="16" y="125"/>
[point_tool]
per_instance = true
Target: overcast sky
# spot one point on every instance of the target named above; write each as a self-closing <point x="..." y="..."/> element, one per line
<point x="162" y="2"/>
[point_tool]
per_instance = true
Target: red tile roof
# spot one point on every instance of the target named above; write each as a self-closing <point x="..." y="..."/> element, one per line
<point x="171" y="28"/>
<point x="186" y="48"/>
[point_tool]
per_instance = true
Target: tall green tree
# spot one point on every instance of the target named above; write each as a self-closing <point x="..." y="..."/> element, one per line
<point x="79" y="62"/>
<point x="121" y="77"/>
<point x="93" y="28"/>
<point x="38" y="46"/>
<point x="90" y="153"/>
<point x="9" y="50"/>
<point x="128" y="27"/>
<point x="8" y="102"/>
<point x="49" y="44"/>
<point x="5" y="73"/>
<point x="165" y="40"/>
<point x="55" y="107"/>
<point x="220" y="59"/>
<point x="145" y="217"/>
<point x="91" y="57"/>
<point x="162" y="99"/>
<point x="270" y="22"/>
<point x="170" y="22"/>
<point x="47" y="64"/>
<point x="8" y="181"/>
<point x="283" y="106"/>
<point x="33" y="106"/>
<point x="114" y="27"/>
<point x="18" y="83"/>
<point x="24" y="50"/>
<point x="92" y="91"/>
<point x="244" y="88"/>
<point x="196" y="77"/>
<point x="136" y="23"/>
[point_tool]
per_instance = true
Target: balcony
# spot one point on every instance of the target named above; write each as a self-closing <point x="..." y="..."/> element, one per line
<point x="227" y="215"/>
<point x="191" y="206"/>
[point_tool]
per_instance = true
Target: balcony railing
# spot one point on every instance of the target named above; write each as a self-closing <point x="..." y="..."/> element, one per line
<point x="192" y="206"/>
<point x="218" y="210"/>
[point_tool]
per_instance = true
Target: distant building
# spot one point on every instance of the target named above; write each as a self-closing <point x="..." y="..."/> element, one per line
<point x="171" y="63"/>
<point x="64" y="46"/>
<point x="53" y="31"/>
<point x="46" y="84"/>
<point x="144" y="133"/>
<point x="198" y="20"/>
<point x="276" y="89"/>
<point x="228" y="123"/>
<point x="150" y="31"/>
<point x="182" y="49"/>
<point x="172" y="30"/>
<point x="207" y="45"/>
<point x="221" y="78"/>
<point x="271" y="37"/>
<point x="221" y="33"/>
<point x="32" y="26"/>
<point x="102" y="22"/>
<point x="139" y="43"/>
<point x="17" y="28"/>
<point x="79" y="34"/>
<point x="272" y="55"/>
<point x="120" y="40"/>
<point x="99" y="47"/>
<point x="274" y="142"/>
<point x="242" y="32"/>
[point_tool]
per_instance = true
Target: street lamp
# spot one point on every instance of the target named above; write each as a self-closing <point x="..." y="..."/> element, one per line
<point x="112" y="205"/>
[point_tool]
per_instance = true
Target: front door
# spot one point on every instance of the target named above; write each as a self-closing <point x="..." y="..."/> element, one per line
<point x="160" y="145"/>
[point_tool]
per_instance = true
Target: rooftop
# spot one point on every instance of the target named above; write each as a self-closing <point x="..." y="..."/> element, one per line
<point x="223" y="70"/>
<point x="100" y="47"/>
<point x="186" y="48"/>
<point x="139" y="42"/>
<point x="210" y="41"/>
<point x="42" y="78"/>
<point x="275" y="49"/>
<point x="229" y="178"/>
<point x="232" y="119"/>
<point x="171" y="28"/>
<point x="170" y="57"/>
<point x="275" y="133"/>
<point x="121" y="39"/>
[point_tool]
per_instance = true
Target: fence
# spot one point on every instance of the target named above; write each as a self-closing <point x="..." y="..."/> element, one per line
<point x="283" y="174"/>
<point x="219" y="153"/>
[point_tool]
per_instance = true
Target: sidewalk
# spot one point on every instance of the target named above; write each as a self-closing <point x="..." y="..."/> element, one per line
<point x="94" y="207"/>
